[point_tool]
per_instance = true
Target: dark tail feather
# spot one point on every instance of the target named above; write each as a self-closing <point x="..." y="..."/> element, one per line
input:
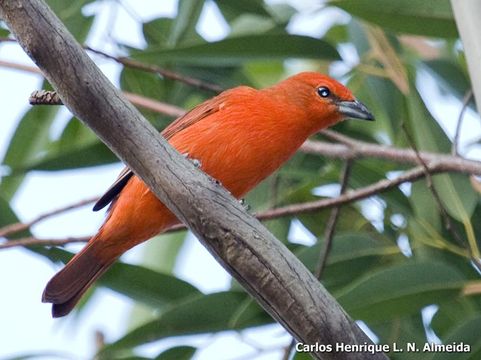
<point x="66" y="288"/>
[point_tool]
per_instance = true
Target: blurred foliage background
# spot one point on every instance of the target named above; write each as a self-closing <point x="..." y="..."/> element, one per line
<point x="394" y="264"/>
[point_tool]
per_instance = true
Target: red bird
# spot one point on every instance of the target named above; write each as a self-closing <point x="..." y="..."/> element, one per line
<point x="239" y="137"/>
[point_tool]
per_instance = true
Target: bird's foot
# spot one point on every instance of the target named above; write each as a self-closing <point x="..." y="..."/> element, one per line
<point x="244" y="204"/>
<point x="195" y="162"/>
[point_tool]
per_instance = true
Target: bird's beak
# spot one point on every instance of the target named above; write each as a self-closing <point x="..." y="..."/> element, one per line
<point x="354" y="109"/>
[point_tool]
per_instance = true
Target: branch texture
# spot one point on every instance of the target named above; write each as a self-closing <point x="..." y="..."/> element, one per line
<point x="271" y="273"/>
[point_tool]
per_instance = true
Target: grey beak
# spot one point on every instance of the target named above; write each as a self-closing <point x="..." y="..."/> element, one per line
<point x="355" y="109"/>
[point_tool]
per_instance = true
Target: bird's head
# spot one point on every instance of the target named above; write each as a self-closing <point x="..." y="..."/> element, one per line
<point x="324" y="99"/>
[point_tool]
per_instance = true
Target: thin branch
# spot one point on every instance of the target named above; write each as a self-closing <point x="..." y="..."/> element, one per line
<point x="288" y="210"/>
<point x="353" y="149"/>
<point x="154" y="105"/>
<point x="475" y="256"/>
<point x="7" y="39"/>
<point x="288" y="349"/>
<point x="33" y="241"/>
<point x="332" y="222"/>
<point x="134" y="64"/>
<point x="351" y="196"/>
<point x="328" y="237"/>
<point x="18" y="227"/>
<point x="258" y="261"/>
<point x="356" y="148"/>
<point x="467" y="98"/>
<point x="22" y="67"/>
<point x="44" y="97"/>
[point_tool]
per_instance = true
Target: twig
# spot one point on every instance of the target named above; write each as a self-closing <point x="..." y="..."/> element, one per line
<point x="33" y="241"/>
<point x="17" y="227"/>
<point x="7" y="39"/>
<point x="44" y="97"/>
<point x="134" y="64"/>
<point x="258" y="261"/>
<point x="328" y="237"/>
<point x="288" y="349"/>
<point x="288" y="210"/>
<point x="467" y="98"/>
<point x="16" y="66"/>
<point x="154" y="105"/>
<point x="442" y="209"/>
<point x="48" y="97"/>
<point x="51" y="97"/>
<point x="331" y="223"/>
<point x="158" y="70"/>
<point x="351" y="196"/>
<point x="355" y="149"/>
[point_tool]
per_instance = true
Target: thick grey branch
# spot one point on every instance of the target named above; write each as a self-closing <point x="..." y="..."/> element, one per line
<point x="272" y="274"/>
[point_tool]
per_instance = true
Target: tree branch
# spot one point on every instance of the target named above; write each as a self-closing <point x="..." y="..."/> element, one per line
<point x="356" y="148"/>
<point x="288" y="210"/>
<point x="18" y="227"/>
<point x="261" y="263"/>
<point x="33" y="241"/>
<point x="353" y="149"/>
<point x="332" y="222"/>
<point x="134" y="64"/>
<point x="448" y="223"/>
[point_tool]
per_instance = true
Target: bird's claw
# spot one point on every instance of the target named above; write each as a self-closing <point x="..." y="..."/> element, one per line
<point x="244" y="204"/>
<point x="195" y="162"/>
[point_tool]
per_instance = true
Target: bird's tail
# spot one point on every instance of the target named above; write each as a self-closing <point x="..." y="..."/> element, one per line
<point x="66" y="288"/>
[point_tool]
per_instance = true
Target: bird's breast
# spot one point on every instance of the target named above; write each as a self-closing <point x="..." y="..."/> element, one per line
<point x="237" y="152"/>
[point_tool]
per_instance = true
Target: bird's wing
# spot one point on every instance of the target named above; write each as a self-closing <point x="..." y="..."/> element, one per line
<point x="193" y="116"/>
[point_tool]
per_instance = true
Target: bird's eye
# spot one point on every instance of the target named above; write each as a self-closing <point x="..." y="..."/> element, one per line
<point x="323" y="91"/>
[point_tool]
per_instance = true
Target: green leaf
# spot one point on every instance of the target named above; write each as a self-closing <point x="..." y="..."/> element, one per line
<point x="232" y="9"/>
<point x="150" y="287"/>
<point x="4" y="33"/>
<point x="401" y="290"/>
<point x="177" y="353"/>
<point x="467" y="332"/>
<point x="458" y="196"/>
<point x="408" y="329"/>
<point x="281" y="12"/>
<point x="302" y="356"/>
<point x="92" y="154"/>
<point x="240" y="49"/>
<point x="451" y="76"/>
<point x="427" y="17"/>
<point x="156" y="32"/>
<point x="351" y="256"/>
<point x="249" y="313"/>
<point x="426" y="210"/>
<point x="7" y="215"/>
<point x="251" y="24"/>
<point x="77" y="147"/>
<point x="160" y="254"/>
<point x="183" y="26"/>
<point x="70" y="12"/>
<point x="199" y="314"/>
<point x="30" y="139"/>
<point x="75" y="135"/>
<point x="452" y="313"/>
